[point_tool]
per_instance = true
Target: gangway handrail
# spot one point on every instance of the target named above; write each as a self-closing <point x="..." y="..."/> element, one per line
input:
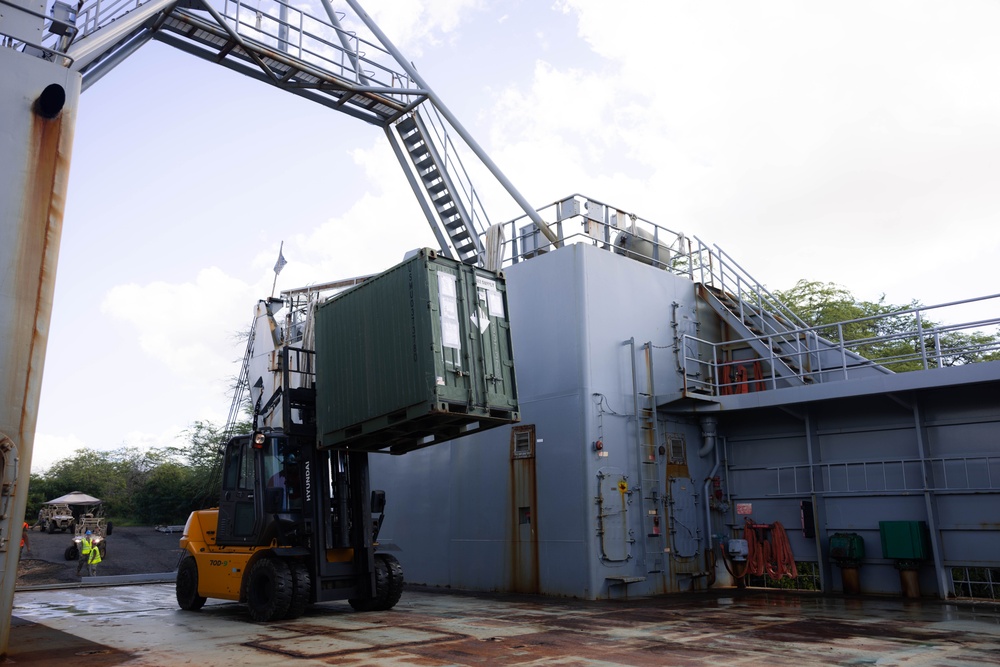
<point x="309" y="38"/>
<point x="703" y="374"/>
<point x="470" y="197"/>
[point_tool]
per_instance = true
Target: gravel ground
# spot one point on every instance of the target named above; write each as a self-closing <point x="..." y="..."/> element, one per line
<point x="130" y="550"/>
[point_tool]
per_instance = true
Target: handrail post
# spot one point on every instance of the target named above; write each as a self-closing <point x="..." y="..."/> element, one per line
<point x="920" y="333"/>
<point x="843" y="348"/>
<point x="716" y="389"/>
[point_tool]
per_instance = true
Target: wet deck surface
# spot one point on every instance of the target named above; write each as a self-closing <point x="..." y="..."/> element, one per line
<point x="141" y="625"/>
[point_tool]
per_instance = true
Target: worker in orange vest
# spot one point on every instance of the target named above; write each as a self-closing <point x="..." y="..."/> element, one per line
<point x="25" y="543"/>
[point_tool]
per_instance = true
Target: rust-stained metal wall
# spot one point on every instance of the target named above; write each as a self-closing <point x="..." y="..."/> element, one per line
<point x="34" y="170"/>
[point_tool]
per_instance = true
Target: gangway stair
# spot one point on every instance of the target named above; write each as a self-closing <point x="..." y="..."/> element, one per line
<point x="761" y="332"/>
<point x="322" y="58"/>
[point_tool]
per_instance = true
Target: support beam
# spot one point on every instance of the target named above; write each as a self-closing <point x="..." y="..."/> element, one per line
<point x="38" y="116"/>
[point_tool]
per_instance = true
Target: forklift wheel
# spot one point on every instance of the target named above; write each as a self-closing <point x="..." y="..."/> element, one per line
<point x="187" y="585"/>
<point x="71" y="553"/>
<point x="269" y="589"/>
<point x="50" y="527"/>
<point x="381" y="590"/>
<point x="394" y="588"/>
<point x="301" y="589"/>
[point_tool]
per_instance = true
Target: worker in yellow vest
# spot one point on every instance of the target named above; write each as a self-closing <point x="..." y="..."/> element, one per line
<point x="86" y="547"/>
<point x="93" y="559"/>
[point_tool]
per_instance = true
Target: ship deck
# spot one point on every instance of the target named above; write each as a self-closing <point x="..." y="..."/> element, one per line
<point x="141" y="625"/>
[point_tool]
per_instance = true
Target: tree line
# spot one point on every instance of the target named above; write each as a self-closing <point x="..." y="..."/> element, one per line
<point x="889" y="334"/>
<point x="136" y="487"/>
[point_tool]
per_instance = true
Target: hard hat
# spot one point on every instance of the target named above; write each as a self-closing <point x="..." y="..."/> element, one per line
<point x="88" y="532"/>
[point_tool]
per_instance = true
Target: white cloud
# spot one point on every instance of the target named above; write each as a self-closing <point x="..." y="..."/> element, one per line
<point x="851" y="142"/>
<point x="51" y="448"/>
<point x="171" y="320"/>
<point x="412" y="25"/>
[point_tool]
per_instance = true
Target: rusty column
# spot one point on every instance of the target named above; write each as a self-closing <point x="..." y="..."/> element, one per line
<point x="37" y="117"/>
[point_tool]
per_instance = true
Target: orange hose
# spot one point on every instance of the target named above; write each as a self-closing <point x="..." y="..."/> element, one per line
<point x="771" y="556"/>
<point x="758" y="376"/>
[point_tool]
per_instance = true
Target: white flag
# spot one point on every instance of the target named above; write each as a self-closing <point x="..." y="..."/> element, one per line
<point x="280" y="264"/>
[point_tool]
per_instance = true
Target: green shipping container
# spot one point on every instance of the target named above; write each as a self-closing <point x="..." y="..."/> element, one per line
<point x="413" y="357"/>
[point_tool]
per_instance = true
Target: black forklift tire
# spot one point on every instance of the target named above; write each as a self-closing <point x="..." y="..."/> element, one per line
<point x="110" y="528"/>
<point x="187" y="585"/>
<point x="394" y="589"/>
<point x="50" y="527"/>
<point x="269" y="589"/>
<point x="71" y="552"/>
<point x="381" y="589"/>
<point x="301" y="589"/>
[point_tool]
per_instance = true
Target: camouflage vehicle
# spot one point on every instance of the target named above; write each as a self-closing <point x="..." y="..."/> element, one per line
<point x="99" y="529"/>
<point x="90" y="516"/>
<point x="53" y="517"/>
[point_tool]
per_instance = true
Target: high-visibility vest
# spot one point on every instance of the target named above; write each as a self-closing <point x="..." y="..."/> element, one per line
<point x="95" y="557"/>
<point x="86" y="546"/>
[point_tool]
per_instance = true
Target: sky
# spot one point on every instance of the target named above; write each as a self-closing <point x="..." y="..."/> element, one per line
<point x="847" y="142"/>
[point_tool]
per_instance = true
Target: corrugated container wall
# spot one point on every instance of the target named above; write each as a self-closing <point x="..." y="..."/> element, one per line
<point x="415" y="356"/>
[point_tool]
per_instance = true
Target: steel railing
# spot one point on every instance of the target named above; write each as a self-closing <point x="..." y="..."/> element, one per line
<point x="954" y="474"/>
<point x="331" y="43"/>
<point x="914" y="342"/>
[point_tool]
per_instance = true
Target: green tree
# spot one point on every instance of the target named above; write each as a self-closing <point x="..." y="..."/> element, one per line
<point x="890" y="334"/>
<point x="165" y="496"/>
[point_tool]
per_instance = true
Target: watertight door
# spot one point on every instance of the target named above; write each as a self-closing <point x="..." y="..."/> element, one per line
<point x="524" y="520"/>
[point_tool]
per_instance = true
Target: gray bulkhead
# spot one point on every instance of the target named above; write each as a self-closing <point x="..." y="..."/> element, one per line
<point x="916" y="447"/>
<point x="518" y="509"/>
<point x="537" y="507"/>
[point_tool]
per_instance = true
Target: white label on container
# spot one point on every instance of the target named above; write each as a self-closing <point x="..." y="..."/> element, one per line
<point x="486" y="283"/>
<point x="451" y="332"/>
<point x="494" y="301"/>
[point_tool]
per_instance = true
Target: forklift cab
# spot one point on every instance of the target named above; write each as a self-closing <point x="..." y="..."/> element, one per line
<point x="263" y="480"/>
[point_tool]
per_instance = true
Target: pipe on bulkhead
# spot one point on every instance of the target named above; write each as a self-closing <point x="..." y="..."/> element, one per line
<point x="50" y="103"/>
<point x="708" y="434"/>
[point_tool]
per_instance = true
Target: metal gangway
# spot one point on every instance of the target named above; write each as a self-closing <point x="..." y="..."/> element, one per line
<point x="338" y="58"/>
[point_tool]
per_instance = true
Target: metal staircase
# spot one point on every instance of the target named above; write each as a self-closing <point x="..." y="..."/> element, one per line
<point x="762" y="332"/>
<point x="321" y="58"/>
<point x="440" y="193"/>
<point x="785" y="353"/>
